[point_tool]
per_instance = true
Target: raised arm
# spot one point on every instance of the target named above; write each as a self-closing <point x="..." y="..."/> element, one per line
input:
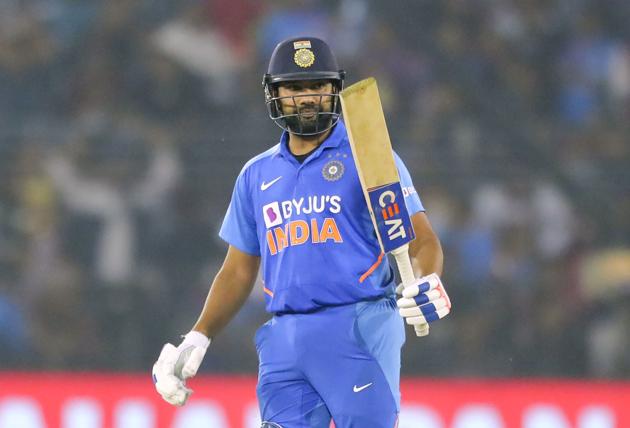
<point x="425" y="251"/>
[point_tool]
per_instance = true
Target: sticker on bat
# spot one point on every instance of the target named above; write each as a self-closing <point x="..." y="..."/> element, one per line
<point x="392" y="219"/>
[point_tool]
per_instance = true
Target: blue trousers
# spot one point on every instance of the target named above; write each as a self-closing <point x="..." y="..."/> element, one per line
<point x="340" y="362"/>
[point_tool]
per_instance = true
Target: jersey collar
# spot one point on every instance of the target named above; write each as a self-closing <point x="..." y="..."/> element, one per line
<point x="336" y="137"/>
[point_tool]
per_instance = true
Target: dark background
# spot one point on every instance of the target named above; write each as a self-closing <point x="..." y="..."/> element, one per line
<point x="123" y="125"/>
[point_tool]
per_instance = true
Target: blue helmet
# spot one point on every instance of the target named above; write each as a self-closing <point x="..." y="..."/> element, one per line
<point x="303" y="59"/>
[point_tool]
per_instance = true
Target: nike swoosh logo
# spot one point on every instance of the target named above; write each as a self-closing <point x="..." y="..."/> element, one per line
<point x="264" y="186"/>
<point x="361" y="388"/>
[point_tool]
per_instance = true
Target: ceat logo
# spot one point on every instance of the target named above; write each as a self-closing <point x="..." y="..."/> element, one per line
<point x="272" y="215"/>
<point x="389" y="209"/>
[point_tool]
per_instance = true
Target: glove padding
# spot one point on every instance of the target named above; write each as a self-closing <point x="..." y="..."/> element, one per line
<point x="425" y="301"/>
<point x="175" y="365"/>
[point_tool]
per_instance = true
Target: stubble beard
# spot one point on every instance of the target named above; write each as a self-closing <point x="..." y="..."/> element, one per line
<point x="302" y="122"/>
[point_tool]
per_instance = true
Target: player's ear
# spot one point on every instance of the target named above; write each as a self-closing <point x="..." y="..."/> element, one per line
<point x="336" y="86"/>
<point x="271" y="94"/>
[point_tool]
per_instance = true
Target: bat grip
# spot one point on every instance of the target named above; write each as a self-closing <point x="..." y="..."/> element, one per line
<point x="408" y="277"/>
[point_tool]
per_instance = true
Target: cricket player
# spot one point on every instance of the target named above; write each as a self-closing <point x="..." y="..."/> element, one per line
<point x="332" y="348"/>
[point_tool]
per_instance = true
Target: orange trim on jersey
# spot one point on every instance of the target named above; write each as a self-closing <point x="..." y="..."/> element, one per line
<point x="372" y="268"/>
<point x="268" y="291"/>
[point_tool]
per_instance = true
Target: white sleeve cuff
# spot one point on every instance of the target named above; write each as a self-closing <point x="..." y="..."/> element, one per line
<point x="196" y="338"/>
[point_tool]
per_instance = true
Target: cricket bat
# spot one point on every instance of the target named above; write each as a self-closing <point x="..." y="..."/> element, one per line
<point x="374" y="160"/>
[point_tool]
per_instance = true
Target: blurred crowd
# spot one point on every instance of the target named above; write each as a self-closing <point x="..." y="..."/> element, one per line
<point x="123" y="125"/>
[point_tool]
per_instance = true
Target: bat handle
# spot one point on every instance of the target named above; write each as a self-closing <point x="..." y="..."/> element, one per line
<point x="401" y="254"/>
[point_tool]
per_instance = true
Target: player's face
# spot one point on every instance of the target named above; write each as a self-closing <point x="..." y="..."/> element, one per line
<point x="302" y="101"/>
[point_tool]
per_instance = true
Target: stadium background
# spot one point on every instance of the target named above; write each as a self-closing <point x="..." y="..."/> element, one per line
<point x="123" y="125"/>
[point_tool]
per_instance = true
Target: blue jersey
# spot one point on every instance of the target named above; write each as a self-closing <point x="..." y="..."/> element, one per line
<point x="310" y="225"/>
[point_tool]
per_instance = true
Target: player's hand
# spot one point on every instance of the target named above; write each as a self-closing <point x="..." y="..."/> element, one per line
<point x="425" y="301"/>
<point x="176" y="364"/>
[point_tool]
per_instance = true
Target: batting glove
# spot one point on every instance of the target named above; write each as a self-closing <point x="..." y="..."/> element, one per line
<point x="175" y="365"/>
<point x="425" y="301"/>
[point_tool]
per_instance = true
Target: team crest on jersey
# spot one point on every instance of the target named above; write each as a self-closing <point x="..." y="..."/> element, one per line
<point x="304" y="58"/>
<point x="333" y="170"/>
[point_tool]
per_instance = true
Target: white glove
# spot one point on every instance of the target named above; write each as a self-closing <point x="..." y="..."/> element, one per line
<point x="175" y="365"/>
<point x="425" y="301"/>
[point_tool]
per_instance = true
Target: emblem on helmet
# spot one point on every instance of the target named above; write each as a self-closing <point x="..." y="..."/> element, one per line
<point x="304" y="58"/>
<point x="333" y="170"/>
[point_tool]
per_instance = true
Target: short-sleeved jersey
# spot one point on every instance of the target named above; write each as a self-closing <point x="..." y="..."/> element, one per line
<point x="310" y="225"/>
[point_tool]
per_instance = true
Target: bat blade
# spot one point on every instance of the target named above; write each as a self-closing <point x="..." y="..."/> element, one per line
<point x="374" y="159"/>
<point x="380" y="181"/>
